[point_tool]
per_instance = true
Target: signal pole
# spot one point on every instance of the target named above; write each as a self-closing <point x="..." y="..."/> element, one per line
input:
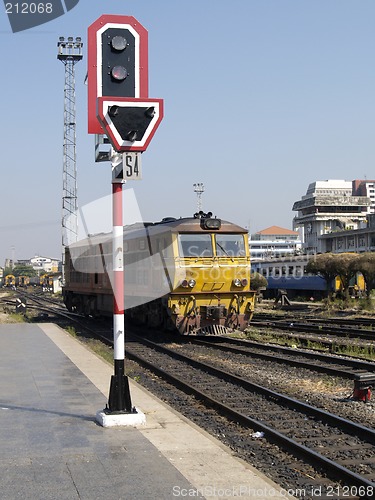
<point x="69" y="53"/>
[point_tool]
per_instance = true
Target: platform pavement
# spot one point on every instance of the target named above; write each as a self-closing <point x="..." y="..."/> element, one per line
<point x="51" y="387"/>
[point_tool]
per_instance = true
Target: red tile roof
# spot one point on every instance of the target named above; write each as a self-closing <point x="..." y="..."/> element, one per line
<point x="277" y="230"/>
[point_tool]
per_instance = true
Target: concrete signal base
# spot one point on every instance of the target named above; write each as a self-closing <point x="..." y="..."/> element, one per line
<point x="121" y="419"/>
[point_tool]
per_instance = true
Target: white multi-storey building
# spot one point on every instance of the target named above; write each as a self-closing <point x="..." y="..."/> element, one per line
<point x="330" y="206"/>
<point x="273" y="242"/>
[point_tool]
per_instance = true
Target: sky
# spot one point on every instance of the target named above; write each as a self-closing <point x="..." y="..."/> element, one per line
<point x="261" y="98"/>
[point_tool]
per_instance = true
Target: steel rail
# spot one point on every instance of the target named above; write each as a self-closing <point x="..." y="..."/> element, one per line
<point x="297" y="326"/>
<point x="221" y="343"/>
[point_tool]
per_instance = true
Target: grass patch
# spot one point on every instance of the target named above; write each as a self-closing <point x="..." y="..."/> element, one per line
<point x="96" y="346"/>
<point x="100" y="349"/>
<point x="362" y="352"/>
<point x="72" y="331"/>
<point x="366" y="304"/>
<point x="17" y="318"/>
<point x="273" y="338"/>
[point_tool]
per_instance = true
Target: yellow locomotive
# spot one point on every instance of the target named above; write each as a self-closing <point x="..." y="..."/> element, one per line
<point x="192" y="274"/>
<point x="22" y="281"/>
<point x="10" y="280"/>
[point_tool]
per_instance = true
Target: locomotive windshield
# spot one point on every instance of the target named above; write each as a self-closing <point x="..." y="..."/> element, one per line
<point x="230" y="245"/>
<point x="195" y="245"/>
<point x="200" y="245"/>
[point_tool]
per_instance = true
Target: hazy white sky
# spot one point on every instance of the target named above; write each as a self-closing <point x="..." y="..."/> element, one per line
<point x="261" y="98"/>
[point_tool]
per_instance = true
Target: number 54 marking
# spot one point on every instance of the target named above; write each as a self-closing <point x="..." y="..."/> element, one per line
<point x="132" y="166"/>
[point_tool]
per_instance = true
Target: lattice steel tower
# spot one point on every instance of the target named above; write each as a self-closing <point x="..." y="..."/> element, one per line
<point x="69" y="52"/>
<point x="199" y="189"/>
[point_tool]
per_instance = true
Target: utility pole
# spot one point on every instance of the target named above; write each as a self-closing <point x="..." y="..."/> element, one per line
<point x="69" y="53"/>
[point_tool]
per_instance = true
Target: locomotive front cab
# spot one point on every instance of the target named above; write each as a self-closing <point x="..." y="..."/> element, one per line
<point x="212" y="288"/>
<point x="10" y="280"/>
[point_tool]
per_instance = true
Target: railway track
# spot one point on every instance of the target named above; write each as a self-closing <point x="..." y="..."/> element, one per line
<point x="324" y="363"/>
<point x="315" y="327"/>
<point x="38" y="299"/>
<point x="314" y="334"/>
<point x="362" y="322"/>
<point x="297" y="427"/>
<point x="54" y="310"/>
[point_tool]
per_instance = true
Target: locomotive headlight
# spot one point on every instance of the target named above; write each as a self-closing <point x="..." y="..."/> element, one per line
<point x="240" y="282"/>
<point x="186" y="284"/>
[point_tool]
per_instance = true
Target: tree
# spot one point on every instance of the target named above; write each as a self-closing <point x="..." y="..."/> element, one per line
<point x="365" y="264"/>
<point x="345" y="263"/>
<point x="325" y="265"/>
<point x="330" y="265"/>
<point x="24" y="270"/>
<point x="257" y="281"/>
<point x="8" y="270"/>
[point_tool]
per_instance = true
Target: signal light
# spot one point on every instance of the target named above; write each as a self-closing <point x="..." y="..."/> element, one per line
<point x="113" y="111"/>
<point x="132" y="135"/>
<point x="119" y="73"/>
<point x="119" y="43"/>
<point x="150" y="112"/>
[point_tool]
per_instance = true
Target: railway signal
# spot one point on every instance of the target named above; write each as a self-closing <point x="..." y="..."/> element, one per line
<point x="117" y="62"/>
<point x="130" y="123"/>
<point x="119" y="106"/>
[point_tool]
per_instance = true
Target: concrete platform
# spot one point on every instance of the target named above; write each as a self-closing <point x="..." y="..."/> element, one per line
<point x="51" y="387"/>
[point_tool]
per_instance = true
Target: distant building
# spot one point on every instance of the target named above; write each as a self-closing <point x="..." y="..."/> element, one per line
<point x="330" y="206"/>
<point x="365" y="188"/>
<point x="354" y="240"/>
<point x="9" y="263"/>
<point x="42" y="264"/>
<point x="274" y="241"/>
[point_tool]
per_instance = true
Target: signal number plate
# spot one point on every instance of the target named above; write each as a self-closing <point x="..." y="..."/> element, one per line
<point x="132" y="166"/>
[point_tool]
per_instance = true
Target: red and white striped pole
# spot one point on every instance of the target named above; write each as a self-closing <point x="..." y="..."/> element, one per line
<point x="119" y="395"/>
